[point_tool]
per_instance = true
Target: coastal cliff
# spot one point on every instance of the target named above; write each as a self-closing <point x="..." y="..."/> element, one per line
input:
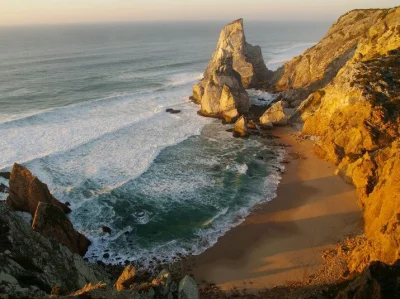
<point x="356" y="118"/>
<point x="347" y="98"/>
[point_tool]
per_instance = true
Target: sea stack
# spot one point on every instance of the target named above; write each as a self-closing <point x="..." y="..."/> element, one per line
<point x="234" y="66"/>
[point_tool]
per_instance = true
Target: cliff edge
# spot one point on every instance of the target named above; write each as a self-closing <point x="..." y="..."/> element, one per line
<point x="353" y="112"/>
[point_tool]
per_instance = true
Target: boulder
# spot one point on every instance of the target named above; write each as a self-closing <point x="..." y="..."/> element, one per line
<point x="26" y="191"/>
<point x="126" y="278"/>
<point x="31" y="264"/>
<point x="52" y="222"/>
<point x="240" y="129"/>
<point x="162" y="282"/>
<point x="188" y="289"/>
<point x="275" y="115"/>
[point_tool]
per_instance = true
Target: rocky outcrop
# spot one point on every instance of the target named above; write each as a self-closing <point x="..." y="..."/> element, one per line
<point x="353" y="37"/>
<point x="222" y="94"/>
<point x="31" y="265"/>
<point x="355" y="120"/>
<point x="51" y="222"/>
<point x="276" y="115"/>
<point x="26" y="191"/>
<point x="234" y="66"/>
<point x="247" y="59"/>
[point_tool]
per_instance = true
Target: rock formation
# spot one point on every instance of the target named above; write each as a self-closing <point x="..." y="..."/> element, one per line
<point x="234" y="66"/>
<point x="316" y="67"/>
<point x="31" y="265"/>
<point x="26" y="191"/>
<point x="51" y="222"/>
<point x="275" y="115"/>
<point x="240" y="128"/>
<point x="126" y="278"/>
<point x="355" y="118"/>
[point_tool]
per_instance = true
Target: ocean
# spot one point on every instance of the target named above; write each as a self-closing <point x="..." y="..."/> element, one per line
<point x="83" y="107"/>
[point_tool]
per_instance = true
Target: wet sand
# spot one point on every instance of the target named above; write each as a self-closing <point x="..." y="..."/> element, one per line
<point x="283" y="240"/>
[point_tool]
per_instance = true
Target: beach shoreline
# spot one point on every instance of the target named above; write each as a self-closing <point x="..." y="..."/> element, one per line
<point x="283" y="240"/>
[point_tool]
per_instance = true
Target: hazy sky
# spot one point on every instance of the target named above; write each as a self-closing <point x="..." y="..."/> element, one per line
<point x="77" y="11"/>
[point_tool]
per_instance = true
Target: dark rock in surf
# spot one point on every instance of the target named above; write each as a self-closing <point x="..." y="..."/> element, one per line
<point x="5" y="175"/>
<point x="3" y="188"/>
<point x="173" y="111"/>
<point x="106" y="229"/>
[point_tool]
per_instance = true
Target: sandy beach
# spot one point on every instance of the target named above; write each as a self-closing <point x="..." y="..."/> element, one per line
<point x="283" y="240"/>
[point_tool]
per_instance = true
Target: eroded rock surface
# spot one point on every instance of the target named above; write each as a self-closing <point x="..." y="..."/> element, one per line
<point x="30" y="264"/>
<point x="353" y="37"/>
<point x="51" y="222"/>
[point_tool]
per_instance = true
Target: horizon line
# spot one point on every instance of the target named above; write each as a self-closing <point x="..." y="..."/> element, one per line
<point x="162" y="21"/>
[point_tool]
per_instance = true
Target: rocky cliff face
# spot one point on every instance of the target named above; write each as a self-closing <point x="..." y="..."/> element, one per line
<point x="31" y="265"/>
<point x="357" y="31"/>
<point x="356" y="116"/>
<point x="234" y="66"/>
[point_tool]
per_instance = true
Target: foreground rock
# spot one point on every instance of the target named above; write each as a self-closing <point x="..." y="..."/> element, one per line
<point x="126" y="278"/>
<point x="379" y="281"/>
<point x="188" y="288"/>
<point x="31" y="265"/>
<point x="51" y="222"/>
<point x="26" y="191"/>
<point x="234" y="66"/>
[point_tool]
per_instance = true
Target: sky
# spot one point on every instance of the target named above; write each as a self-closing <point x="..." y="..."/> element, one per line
<point x="17" y="12"/>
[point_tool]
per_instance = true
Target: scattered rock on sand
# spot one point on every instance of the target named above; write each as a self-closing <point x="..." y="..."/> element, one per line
<point x="26" y="191"/>
<point x="251" y="125"/>
<point x="275" y="115"/>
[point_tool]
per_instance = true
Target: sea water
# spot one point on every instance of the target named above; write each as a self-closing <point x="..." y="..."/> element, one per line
<point x="83" y="107"/>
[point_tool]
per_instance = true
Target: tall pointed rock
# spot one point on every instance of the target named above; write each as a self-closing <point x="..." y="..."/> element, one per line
<point x="234" y="66"/>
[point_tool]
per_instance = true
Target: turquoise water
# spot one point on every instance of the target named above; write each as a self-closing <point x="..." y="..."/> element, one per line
<point x="84" y="108"/>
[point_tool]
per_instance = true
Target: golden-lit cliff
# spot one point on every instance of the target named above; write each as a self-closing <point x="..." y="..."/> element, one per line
<point x="354" y="113"/>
